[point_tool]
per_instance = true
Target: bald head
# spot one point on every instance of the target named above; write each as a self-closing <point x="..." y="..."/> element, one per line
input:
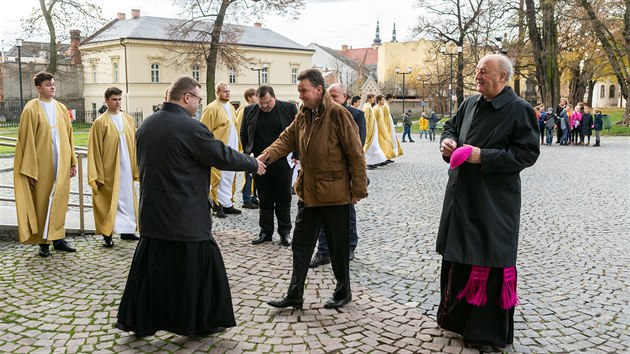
<point x="338" y="93"/>
<point x="494" y="71"/>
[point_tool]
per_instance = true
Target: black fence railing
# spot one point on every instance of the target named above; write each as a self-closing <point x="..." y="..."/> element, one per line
<point x="10" y="117"/>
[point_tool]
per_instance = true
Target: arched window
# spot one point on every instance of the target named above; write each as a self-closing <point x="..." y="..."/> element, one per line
<point x="232" y="75"/>
<point x="155" y="72"/>
<point x="611" y="91"/>
<point x="195" y="72"/>
<point x="602" y="91"/>
<point x="115" y="72"/>
<point x="294" y="74"/>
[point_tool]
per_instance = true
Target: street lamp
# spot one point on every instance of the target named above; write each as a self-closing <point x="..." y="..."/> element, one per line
<point x="258" y="70"/>
<point x="18" y="44"/>
<point x="423" y="80"/>
<point x="403" y="85"/>
<point x="450" y="85"/>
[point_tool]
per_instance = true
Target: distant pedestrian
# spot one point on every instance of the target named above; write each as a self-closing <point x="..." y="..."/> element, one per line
<point x="433" y="119"/>
<point x="423" y="123"/>
<point x="587" y="126"/>
<point x="598" y="125"/>
<point x="550" y="122"/>
<point x="561" y="106"/>
<point x="564" y="126"/>
<point x="407" y="126"/>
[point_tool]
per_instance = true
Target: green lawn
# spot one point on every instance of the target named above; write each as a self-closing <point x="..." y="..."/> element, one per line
<point x="80" y="138"/>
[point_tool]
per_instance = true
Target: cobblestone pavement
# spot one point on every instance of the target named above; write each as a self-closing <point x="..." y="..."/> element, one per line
<point x="574" y="283"/>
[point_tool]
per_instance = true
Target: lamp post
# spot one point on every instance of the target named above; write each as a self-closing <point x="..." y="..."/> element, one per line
<point x="258" y="70"/>
<point x="450" y="85"/>
<point x="423" y="80"/>
<point x="18" y="44"/>
<point x="403" y="85"/>
<point x="500" y="48"/>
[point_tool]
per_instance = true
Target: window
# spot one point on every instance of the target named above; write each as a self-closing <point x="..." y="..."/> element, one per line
<point x="155" y="72"/>
<point x="264" y="75"/>
<point x="232" y="75"/>
<point x="294" y="74"/>
<point x="602" y="91"/>
<point x="611" y="91"/>
<point x="94" y="73"/>
<point x="195" y="72"/>
<point x="115" y="72"/>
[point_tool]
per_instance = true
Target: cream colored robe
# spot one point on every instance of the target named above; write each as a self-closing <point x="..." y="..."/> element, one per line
<point x="33" y="158"/>
<point x="392" y="130"/>
<point x="216" y="119"/>
<point x="373" y="152"/>
<point x="104" y="168"/>
<point x="384" y="133"/>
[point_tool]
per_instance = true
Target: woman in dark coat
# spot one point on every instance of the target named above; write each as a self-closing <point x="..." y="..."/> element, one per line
<point x="587" y="125"/>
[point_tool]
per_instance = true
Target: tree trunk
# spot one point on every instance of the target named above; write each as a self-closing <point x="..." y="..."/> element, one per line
<point x="459" y="88"/>
<point x="591" y="87"/>
<point x="545" y="50"/>
<point x="213" y="53"/>
<point x="47" y="13"/>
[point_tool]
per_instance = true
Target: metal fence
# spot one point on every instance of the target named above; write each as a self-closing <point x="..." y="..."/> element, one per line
<point x="10" y="117"/>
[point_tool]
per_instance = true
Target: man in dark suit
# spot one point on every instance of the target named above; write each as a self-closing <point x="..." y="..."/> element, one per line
<point x="261" y="126"/>
<point x="339" y="94"/>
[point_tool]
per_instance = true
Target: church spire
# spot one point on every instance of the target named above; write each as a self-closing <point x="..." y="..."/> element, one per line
<point x="394" y="33"/>
<point x="377" y="40"/>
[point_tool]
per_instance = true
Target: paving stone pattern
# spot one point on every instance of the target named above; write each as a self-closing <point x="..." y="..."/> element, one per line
<point x="574" y="283"/>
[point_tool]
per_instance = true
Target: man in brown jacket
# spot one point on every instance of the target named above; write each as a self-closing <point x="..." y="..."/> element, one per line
<point x="332" y="178"/>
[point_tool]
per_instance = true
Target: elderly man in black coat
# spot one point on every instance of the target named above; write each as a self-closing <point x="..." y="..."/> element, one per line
<point x="479" y="227"/>
<point x="177" y="281"/>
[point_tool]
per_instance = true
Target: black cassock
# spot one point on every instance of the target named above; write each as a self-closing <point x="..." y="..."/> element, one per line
<point x="481" y="213"/>
<point x="177" y="281"/>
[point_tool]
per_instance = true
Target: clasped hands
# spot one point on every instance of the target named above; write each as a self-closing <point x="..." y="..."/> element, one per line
<point x="262" y="160"/>
<point x="448" y="146"/>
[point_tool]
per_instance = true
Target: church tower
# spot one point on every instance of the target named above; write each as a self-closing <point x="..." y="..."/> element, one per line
<point x="377" y="41"/>
<point x="394" y="33"/>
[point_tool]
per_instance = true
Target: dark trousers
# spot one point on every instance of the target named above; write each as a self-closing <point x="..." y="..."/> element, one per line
<point x="274" y="194"/>
<point x="559" y="134"/>
<point x="336" y="222"/>
<point x="322" y="244"/>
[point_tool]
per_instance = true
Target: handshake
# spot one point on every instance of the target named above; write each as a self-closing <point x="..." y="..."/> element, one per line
<point x="262" y="159"/>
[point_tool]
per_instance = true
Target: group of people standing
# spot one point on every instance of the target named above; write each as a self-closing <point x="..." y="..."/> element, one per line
<point x="573" y="125"/>
<point x="177" y="280"/>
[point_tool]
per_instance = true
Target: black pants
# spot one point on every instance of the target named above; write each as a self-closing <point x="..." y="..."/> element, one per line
<point x="336" y="222"/>
<point x="274" y="194"/>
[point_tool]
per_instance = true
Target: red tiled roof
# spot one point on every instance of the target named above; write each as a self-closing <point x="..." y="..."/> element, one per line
<point x="365" y="56"/>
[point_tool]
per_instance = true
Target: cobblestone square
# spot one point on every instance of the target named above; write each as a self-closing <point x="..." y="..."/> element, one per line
<point x="574" y="282"/>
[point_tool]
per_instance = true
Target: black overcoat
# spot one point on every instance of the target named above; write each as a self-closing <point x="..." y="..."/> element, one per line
<point x="481" y="212"/>
<point x="175" y="153"/>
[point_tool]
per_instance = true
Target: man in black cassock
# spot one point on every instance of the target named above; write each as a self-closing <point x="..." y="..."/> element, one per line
<point x="479" y="227"/>
<point x="177" y="281"/>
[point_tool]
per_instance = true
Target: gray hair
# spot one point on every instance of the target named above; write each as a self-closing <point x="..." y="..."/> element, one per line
<point x="504" y="63"/>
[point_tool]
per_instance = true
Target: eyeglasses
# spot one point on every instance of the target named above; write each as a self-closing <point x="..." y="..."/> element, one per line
<point x="199" y="98"/>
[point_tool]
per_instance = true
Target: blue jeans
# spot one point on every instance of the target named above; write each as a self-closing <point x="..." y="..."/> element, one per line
<point x="425" y="132"/>
<point x="565" y="136"/>
<point x="406" y="132"/>
<point x="322" y="245"/>
<point x="248" y="196"/>
<point x="549" y="136"/>
<point x="431" y="133"/>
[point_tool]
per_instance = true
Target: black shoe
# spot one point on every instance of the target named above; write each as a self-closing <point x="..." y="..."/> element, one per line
<point x="213" y="330"/>
<point x="219" y="213"/>
<point x="262" y="238"/>
<point x="255" y="202"/>
<point x="131" y="237"/>
<point x="404" y="141"/>
<point x="285" y="240"/>
<point x="412" y="141"/>
<point x="319" y="260"/>
<point x="335" y="303"/>
<point x="351" y="254"/>
<point x="371" y="167"/>
<point x="44" y="250"/>
<point x="107" y="241"/>
<point x="231" y="210"/>
<point x="287" y="302"/>
<point x="250" y="205"/>
<point x="62" y="245"/>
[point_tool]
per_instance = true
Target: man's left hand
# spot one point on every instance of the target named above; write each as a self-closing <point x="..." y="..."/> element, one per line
<point x="73" y="171"/>
<point x="355" y="200"/>
<point x="475" y="155"/>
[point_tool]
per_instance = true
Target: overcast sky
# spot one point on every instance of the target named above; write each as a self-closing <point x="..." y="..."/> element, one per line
<point x="327" y="22"/>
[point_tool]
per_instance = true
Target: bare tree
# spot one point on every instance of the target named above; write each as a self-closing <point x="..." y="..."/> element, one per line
<point x="216" y="43"/>
<point x="614" y="37"/>
<point x="466" y="24"/>
<point x="60" y="16"/>
<point x="543" y="37"/>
